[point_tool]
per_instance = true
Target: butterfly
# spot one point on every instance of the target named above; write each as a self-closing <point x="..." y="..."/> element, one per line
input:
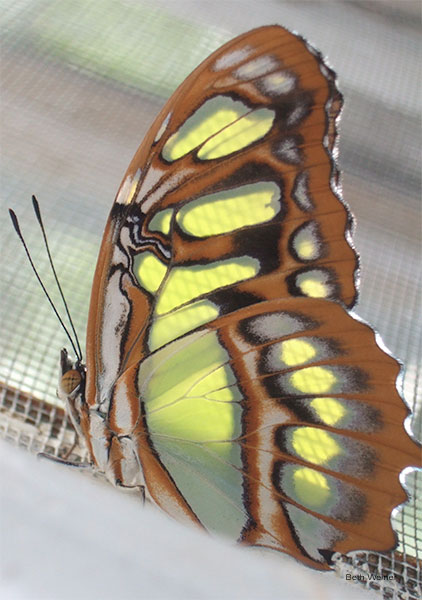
<point x="225" y="374"/>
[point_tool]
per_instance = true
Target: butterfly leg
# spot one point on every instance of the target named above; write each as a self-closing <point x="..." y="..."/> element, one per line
<point x="76" y="444"/>
<point x="63" y="461"/>
<point x="129" y="488"/>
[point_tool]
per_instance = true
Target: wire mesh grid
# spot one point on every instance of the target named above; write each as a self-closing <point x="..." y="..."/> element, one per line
<point x="82" y="81"/>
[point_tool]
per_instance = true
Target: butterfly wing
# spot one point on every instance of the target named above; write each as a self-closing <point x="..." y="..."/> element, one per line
<point x="280" y="430"/>
<point x="232" y="205"/>
<point x="237" y="173"/>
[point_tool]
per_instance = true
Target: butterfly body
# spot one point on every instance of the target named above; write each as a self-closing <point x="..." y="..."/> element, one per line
<point x="224" y="374"/>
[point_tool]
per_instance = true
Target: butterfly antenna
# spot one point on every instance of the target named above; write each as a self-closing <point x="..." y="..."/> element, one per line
<point x="15" y="222"/>
<point x="37" y="211"/>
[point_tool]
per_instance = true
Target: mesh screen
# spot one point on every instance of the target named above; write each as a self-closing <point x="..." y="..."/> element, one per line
<point x="82" y="82"/>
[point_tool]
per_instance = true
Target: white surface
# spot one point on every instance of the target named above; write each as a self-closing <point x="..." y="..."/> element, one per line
<point x="66" y="536"/>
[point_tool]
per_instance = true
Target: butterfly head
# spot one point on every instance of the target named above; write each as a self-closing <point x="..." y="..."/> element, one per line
<point x="71" y="388"/>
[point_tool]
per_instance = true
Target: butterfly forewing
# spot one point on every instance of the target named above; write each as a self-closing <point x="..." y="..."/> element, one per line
<point x="236" y="174"/>
<point x="222" y="372"/>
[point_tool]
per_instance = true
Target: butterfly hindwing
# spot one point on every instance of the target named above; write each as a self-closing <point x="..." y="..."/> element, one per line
<point x="276" y="432"/>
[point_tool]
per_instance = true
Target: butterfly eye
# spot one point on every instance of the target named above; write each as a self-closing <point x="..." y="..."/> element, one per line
<point x="70" y="382"/>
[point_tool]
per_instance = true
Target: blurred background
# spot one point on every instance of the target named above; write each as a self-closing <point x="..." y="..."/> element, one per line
<point x="82" y="80"/>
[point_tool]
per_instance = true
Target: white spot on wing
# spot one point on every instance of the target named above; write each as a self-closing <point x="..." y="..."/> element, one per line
<point x="122" y="409"/>
<point x="297" y="114"/>
<point x="128" y="188"/>
<point x="162" y="128"/>
<point x="307" y="242"/>
<point x="300" y="193"/>
<point x="152" y="177"/>
<point x="120" y="257"/>
<point x="115" y="315"/>
<point x="288" y="151"/>
<point x="256" y="68"/>
<point x="275" y="325"/>
<point x="277" y="83"/>
<point x="98" y="439"/>
<point x="168" y="185"/>
<point x="230" y="59"/>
